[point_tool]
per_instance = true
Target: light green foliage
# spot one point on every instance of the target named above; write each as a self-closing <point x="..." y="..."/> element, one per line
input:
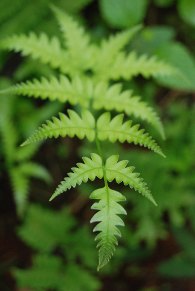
<point x="85" y="91"/>
<point x="40" y="47"/>
<point x="131" y="65"/>
<point x="74" y="125"/>
<point x="85" y="126"/>
<point x="115" y="129"/>
<point x="113" y="170"/>
<point x="109" y="98"/>
<point x="108" y="219"/>
<point x="44" y="231"/>
<point x="88" y="170"/>
<point x="51" y="52"/>
<point x="90" y="68"/>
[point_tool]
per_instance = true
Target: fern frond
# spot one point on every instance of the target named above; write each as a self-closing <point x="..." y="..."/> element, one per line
<point x="119" y="171"/>
<point x="114" y="170"/>
<point x="88" y="170"/>
<point x="109" y="49"/>
<point x="115" y="129"/>
<point x="76" y="91"/>
<point x="46" y="50"/>
<point x="108" y="206"/>
<point x="84" y="126"/>
<point x="131" y="65"/>
<point x="113" y="98"/>
<point x="77" y="41"/>
<point x="72" y="125"/>
<point x="108" y="219"/>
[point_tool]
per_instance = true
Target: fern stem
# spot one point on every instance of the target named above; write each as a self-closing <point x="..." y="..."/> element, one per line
<point x="99" y="149"/>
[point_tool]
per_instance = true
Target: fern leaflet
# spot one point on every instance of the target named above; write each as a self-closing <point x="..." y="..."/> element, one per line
<point x="62" y="89"/>
<point x="110" y="48"/>
<point x="118" y="170"/>
<point x="88" y="170"/>
<point x="113" y="98"/>
<point x="115" y="129"/>
<point x="77" y="41"/>
<point x="108" y="219"/>
<point x="74" y="125"/>
<point x="128" y="66"/>
<point x="38" y="47"/>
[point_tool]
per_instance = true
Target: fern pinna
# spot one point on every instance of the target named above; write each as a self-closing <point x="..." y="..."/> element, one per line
<point x="90" y="79"/>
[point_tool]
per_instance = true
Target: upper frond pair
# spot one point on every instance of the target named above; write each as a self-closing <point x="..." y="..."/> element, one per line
<point x="79" y="55"/>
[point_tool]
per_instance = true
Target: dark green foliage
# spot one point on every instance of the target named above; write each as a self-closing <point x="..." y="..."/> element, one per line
<point x="20" y="166"/>
<point x="49" y="231"/>
<point x="181" y="265"/>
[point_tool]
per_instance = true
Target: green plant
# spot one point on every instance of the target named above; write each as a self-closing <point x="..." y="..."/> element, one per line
<point x="182" y="264"/>
<point x="16" y="120"/>
<point x="91" y="82"/>
<point x="53" y="236"/>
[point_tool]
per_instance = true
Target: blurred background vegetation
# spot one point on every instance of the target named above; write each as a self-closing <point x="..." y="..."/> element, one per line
<point x="49" y="246"/>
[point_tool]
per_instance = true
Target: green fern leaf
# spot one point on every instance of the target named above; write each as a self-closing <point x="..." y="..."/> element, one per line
<point x="83" y="91"/>
<point x="77" y="41"/>
<point x="84" y="126"/>
<point x="115" y="129"/>
<point x="108" y="219"/>
<point x="88" y="170"/>
<point x="131" y="65"/>
<point x="76" y="91"/>
<point x="113" y="98"/>
<point x="108" y="206"/>
<point x="114" y="170"/>
<point x="110" y="48"/>
<point x="74" y="125"/>
<point x="118" y="170"/>
<point x="38" y="47"/>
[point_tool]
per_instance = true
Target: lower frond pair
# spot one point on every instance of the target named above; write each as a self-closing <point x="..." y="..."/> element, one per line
<point x="108" y="206"/>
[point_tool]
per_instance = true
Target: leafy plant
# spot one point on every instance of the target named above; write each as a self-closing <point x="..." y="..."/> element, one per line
<point x="90" y="81"/>
<point x="18" y="160"/>
<point x="181" y="265"/>
<point x="45" y="233"/>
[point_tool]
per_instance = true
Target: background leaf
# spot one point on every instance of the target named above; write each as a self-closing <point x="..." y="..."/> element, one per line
<point x="123" y="13"/>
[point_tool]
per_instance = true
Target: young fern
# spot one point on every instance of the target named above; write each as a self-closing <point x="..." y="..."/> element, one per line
<point x="76" y="57"/>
